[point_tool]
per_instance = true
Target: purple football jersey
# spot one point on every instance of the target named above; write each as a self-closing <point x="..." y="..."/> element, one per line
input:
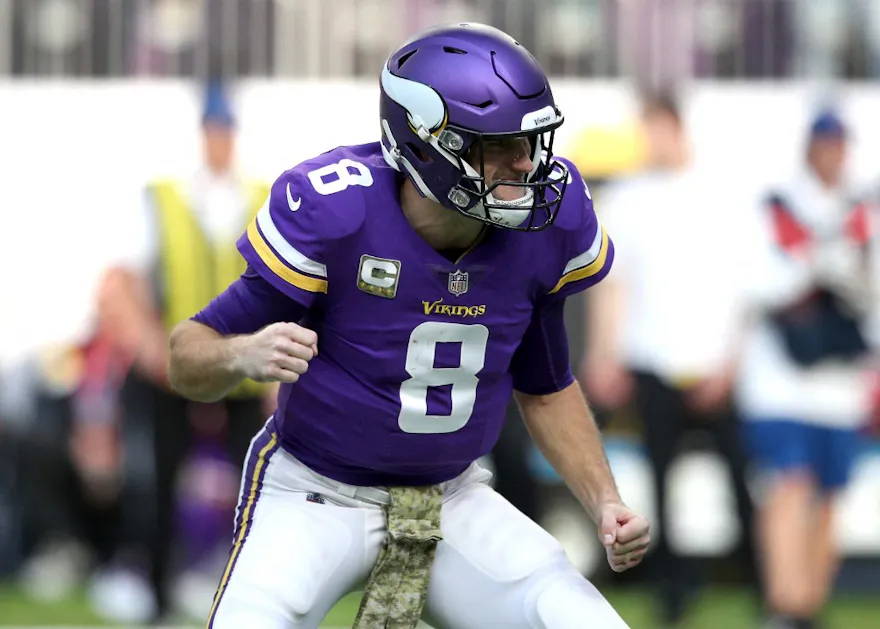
<point x="412" y="380"/>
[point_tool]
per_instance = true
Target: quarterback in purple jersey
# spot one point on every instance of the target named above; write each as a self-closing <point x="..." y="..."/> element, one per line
<point x="401" y="291"/>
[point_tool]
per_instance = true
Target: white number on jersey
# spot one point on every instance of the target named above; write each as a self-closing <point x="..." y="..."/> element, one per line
<point x="341" y="176"/>
<point x="420" y="355"/>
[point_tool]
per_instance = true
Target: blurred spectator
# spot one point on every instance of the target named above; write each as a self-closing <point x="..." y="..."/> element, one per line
<point x="654" y="41"/>
<point x="804" y="388"/>
<point x="123" y="37"/>
<point x="657" y="40"/>
<point x="767" y="33"/>
<point x="204" y="38"/>
<point x="181" y="256"/>
<point x="71" y="37"/>
<point x="69" y="468"/>
<point x="664" y="326"/>
<point x="239" y="37"/>
<point x="821" y="36"/>
<point x="170" y="38"/>
<point x="838" y="38"/>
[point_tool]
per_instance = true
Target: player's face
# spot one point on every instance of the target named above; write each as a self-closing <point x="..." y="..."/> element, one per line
<point x="827" y="156"/>
<point x="219" y="147"/>
<point x="504" y="159"/>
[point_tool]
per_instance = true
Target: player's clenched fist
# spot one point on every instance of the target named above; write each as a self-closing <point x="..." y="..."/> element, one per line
<point x="625" y="536"/>
<point x="278" y="353"/>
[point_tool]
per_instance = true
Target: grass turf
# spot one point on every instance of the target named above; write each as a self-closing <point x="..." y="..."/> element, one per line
<point x="718" y="609"/>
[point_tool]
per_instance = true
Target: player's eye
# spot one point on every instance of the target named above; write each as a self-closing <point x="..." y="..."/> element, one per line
<point x="505" y="145"/>
<point x="499" y="145"/>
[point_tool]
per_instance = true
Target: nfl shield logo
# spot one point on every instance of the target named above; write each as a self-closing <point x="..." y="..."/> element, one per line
<point x="458" y="283"/>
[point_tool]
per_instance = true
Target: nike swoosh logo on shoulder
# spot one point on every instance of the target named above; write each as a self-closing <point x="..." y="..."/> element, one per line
<point x="293" y="205"/>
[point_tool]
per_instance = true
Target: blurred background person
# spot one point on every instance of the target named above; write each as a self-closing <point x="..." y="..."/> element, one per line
<point x="838" y="38"/>
<point x="181" y="255"/>
<point x="804" y="387"/>
<point x="661" y="37"/>
<point x="69" y="468"/>
<point x="664" y="330"/>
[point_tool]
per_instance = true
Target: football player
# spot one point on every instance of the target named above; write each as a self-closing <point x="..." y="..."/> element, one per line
<point x="401" y="291"/>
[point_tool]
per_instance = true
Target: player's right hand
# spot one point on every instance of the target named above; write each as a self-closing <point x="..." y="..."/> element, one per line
<point x="278" y="353"/>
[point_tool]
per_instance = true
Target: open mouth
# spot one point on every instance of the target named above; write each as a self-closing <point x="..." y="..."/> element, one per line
<point x="509" y="193"/>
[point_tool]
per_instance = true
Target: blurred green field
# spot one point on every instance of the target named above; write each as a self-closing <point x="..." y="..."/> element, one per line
<point x="718" y="609"/>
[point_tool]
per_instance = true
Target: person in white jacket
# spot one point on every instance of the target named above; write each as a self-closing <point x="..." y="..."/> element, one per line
<point x="803" y="385"/>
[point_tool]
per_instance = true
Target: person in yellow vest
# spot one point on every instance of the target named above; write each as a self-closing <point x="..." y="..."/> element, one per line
<point x="182" y="254"/>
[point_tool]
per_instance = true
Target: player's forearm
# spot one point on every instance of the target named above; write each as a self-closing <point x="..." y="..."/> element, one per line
<point x="604" y="313"/>
<point x="566" y="433"/>
<point x="203" y="365"/>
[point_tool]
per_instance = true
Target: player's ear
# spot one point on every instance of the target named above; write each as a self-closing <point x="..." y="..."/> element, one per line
<point x="424" y="157"/>
<point x="472" y="156"/>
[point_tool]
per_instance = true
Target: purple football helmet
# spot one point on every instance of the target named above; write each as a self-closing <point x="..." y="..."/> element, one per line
<point x="448" y="91"/>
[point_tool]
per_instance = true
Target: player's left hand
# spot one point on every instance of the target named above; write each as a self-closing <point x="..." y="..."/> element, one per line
<point x="625" y="536"/>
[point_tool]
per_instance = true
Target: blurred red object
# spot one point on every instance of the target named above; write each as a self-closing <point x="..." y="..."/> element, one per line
<point x="873" y="426"/>
<point x="95" y="443"/>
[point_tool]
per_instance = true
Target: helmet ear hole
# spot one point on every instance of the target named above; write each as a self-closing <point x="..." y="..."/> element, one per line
<point x="418" y="153"/>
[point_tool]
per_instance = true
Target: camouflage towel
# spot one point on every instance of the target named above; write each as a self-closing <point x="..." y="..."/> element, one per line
<point x="398" y="585"/>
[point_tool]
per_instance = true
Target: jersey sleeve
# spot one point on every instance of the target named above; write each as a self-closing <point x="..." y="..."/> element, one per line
<point x="286" y="243"/>
<point x="248" y="305"/>
<point x="541" y="363"/>
<point x="588" y="252"/>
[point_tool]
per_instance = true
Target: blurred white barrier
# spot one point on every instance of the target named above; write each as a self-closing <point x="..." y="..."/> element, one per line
<point x="74" y="157"/>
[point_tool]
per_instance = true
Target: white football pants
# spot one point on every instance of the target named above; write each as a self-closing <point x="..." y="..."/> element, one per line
<point x="303" y="541"/>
